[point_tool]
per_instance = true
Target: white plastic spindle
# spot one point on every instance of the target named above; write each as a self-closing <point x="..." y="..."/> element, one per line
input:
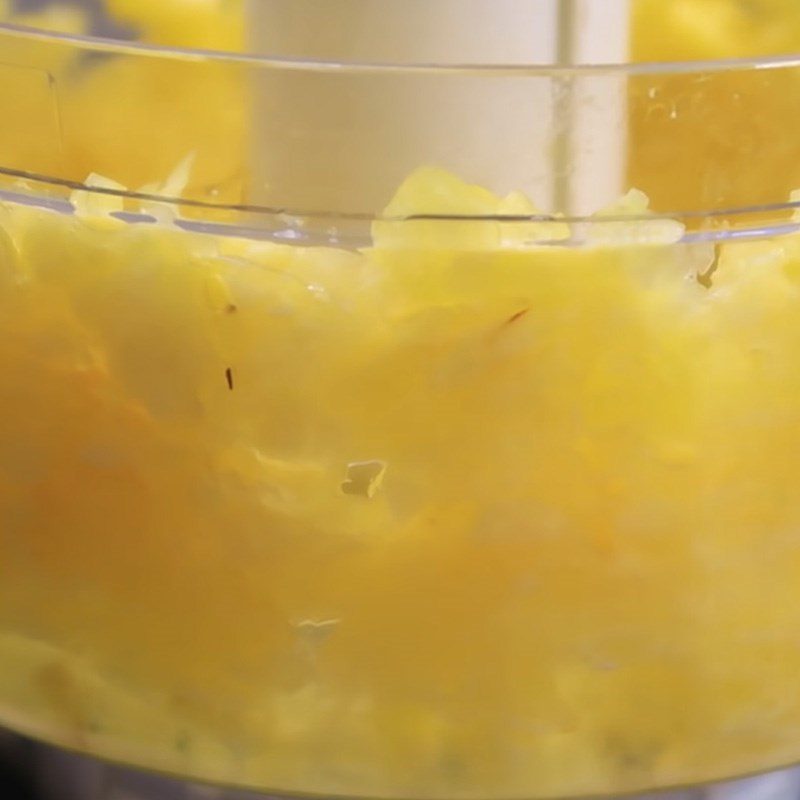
<point x="360" y="137"/>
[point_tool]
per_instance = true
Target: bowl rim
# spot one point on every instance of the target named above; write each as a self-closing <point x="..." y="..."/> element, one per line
<point x="111" y="46"/>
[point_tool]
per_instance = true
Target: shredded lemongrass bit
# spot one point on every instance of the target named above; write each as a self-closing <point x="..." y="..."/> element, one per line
<point x="643" y="227"/>
<point x="96" y="208"/>
<point x="317" y="624"/>
<point x="528" y="232"/>
<point x="316" y="631"/>
<point x="172" y="188"/>
<point x="436" y="209"/>
<point x="364" y="478"/>
<point x="454" y="213"/>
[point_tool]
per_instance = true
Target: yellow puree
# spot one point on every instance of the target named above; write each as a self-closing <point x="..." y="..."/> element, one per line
<point x="445" y="517"/>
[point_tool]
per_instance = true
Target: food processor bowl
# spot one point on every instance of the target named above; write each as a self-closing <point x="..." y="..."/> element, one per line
<point x="344" y="451"/>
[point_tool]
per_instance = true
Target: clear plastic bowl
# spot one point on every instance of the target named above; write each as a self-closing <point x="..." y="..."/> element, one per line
<point x="309" y="489"/>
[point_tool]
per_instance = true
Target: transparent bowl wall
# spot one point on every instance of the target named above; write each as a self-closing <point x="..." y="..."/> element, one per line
<point x="457" y="500"/>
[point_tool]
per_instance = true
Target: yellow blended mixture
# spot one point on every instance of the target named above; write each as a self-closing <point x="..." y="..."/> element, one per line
<point x="444" y="517"/>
